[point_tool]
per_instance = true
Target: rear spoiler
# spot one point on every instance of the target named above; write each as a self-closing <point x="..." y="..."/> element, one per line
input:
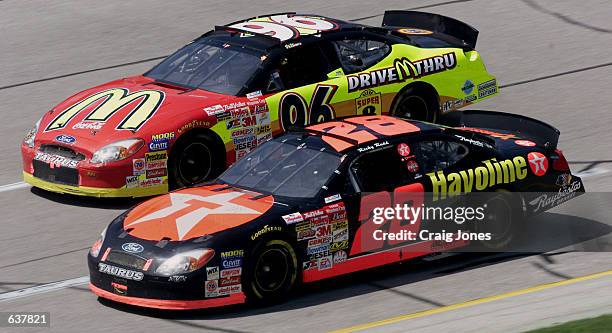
<point x="535" y="130"/>
<point x="433" y="22"/>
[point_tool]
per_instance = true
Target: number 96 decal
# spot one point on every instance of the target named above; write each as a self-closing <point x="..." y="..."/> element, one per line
<point x="294" y="112"/>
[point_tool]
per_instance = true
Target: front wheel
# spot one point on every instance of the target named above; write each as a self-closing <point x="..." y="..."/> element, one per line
<point x="194" y="159"/>
<point x="272" y="272"/>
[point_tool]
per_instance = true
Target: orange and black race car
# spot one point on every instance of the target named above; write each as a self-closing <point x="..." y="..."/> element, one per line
<point x="307" y="206"/>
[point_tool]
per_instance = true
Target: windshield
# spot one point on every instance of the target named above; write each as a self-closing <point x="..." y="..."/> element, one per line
<point x="211" y="64"/>
<point x="292" y="166"/>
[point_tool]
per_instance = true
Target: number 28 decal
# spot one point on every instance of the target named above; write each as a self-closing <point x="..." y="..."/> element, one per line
<point x="114" y="100"/>
<point x="365" y="241"/>
<point x="295" y="112"/>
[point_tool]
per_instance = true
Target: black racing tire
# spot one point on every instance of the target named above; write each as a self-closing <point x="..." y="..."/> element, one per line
<point x="417" y="104"/>
<point x="271" y="272"/>
<point x="504" y="219"/>
<point x="195" y="158"/>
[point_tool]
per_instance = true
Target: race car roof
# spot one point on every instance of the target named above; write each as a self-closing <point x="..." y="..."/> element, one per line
<point x="347" y="133"/>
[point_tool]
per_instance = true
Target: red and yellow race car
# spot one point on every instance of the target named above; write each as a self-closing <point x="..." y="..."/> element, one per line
<point x="235" y="87"/>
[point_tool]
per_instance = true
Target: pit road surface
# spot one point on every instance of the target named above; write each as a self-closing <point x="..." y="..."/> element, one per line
<point x="552" y="58"/>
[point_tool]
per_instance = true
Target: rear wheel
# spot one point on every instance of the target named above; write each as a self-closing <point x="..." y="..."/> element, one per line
<point x="272" y="272"/>
<point x="194" y="159"/>
<point x="503" y="220"/>
<point x="417" y="104"/>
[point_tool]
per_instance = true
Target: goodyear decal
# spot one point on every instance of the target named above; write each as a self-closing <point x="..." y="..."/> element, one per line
<point x="114" y="100"/>
<point x="479" y="178"/>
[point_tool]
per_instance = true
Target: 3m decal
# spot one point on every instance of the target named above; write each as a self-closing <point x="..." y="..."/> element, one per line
<point x="113" y="100"/>
<point x="293" y="110"/>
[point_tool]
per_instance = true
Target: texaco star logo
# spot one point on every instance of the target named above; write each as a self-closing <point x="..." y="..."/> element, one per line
<point x="403" y="149"/>
<point x="538" y="163"/>
<point x="192" y="213"/>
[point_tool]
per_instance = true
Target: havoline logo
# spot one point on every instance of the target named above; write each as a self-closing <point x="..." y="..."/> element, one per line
<point x="479" y="178"/>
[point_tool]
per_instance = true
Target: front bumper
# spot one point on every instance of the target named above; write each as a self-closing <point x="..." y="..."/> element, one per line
<point x="152" y="291"/>
<point x="94" y="191"/>
<point x="169" y="304"/>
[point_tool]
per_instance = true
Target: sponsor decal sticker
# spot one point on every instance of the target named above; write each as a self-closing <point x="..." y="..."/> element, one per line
<point x="132" y="247"/>
<point x="162" y="137"/>
<point x="67" y="139"/>
<point x="369" y="103"/>
<point x="156" y="160"/>
<point x="158" y="145"/>
<point x="525" y="143"/>
<point x="56" y="161"/>
<point x="151" y="182"/>
<point x="402" y="70"/>
<point x="211" y="288"/>
<point x="403" y="149"/>
<point x="139" y="165"/>
<point x="120" y="272"/>
<point x="90" y="125"/>
<point x="293" y="218"/>
<point x="229" y="280"/>
<point x="332" y="198"/>
<point x="231" y="272"/>
<point x="212" y="273"/>
<point x="414" y="31"/>
<point x="538" y="163"/>
<point x="325" y="263"/>
<point x="412" y="166"/>
<point x="479" y="178"/>
<point x="265" y="230"/>
<point x="157" y="173"/>
<point x="468" y="87"/>
<point x="340" y="256"/>
<point x="131" y="181"/>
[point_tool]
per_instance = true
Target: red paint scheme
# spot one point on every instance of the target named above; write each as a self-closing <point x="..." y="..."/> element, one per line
<point x="177" y="109"/>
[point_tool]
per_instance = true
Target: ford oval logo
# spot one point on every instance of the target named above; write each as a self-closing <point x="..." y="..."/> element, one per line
<point x="132" y="247"/>
<point x="65" y="139"/>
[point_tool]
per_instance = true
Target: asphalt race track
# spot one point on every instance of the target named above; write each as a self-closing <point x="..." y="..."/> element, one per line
<point x="553" y="59"/>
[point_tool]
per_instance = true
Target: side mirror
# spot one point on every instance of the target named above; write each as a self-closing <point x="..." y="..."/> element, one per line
<point x="335" y="73"/>
<point x="274" y="82"/>
<point x="355" y="61"/>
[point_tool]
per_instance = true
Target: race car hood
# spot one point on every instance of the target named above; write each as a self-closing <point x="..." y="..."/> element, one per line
<point x="195" y="212"/>
<point x="126" y="108"/>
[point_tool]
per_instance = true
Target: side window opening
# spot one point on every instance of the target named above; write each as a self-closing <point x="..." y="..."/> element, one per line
<point x="300" y="66"/>
<point x="438" y="155"/>
<point x="381" y="170"/>
<point x="358" y="54"/>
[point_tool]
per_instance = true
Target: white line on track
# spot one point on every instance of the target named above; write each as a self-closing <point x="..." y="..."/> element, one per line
<point x="13" y="186"/>
<point x="591" y="172"/>
<point x="45" y="288"/>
